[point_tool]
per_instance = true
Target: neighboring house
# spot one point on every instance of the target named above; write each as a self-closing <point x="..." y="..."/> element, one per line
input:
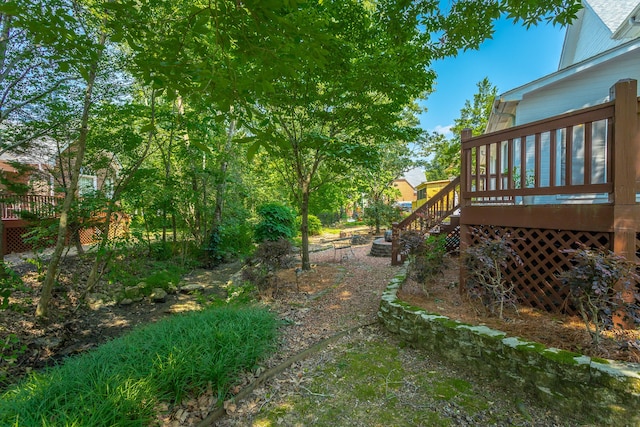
<point x="427" y="190"/>
<point x="406" y="185"/>
<point x="601" y="47"/>
<point x="43" y="172"/>
<point x="47" y="169"/>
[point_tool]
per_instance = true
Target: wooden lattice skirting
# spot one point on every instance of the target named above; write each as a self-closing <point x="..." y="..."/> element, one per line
<point x="541" y="252"/>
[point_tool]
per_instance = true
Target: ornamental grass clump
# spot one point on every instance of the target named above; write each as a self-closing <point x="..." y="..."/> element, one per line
<point x="485" y="264"/>
<point x="602" y="286"/>
<point x="123" y="381"/>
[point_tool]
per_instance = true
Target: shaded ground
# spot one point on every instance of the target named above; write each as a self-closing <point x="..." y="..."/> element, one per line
<point x="365" y="378"/>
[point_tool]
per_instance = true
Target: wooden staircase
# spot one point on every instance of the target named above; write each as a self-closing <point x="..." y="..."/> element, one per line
<point x="436" y="216"/>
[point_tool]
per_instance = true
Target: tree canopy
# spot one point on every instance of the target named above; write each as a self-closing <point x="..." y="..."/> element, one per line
<point x="212" y="106"/>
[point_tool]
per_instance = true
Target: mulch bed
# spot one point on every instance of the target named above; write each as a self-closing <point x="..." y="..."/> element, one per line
<point x="557" y="330"/>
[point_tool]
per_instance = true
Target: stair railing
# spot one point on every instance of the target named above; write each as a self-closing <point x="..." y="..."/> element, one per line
<point x="442" y="205"/>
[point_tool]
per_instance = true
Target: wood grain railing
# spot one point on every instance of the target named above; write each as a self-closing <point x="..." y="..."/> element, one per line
<point x="442" y="205"/>
<point x="15" y="207"/>
<point x="570" y="154"/>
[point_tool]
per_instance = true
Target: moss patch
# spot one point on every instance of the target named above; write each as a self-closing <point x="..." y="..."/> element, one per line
<point x="372" y="381"/>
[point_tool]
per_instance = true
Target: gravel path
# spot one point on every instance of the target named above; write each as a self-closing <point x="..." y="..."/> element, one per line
<point x="323" y="388"/>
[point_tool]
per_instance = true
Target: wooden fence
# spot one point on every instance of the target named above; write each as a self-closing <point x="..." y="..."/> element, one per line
<point x="21" y="212"/>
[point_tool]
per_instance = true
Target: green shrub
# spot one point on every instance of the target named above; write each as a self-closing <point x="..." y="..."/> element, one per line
<point x="10" y="281"/>
<point x="236" y="238"/>
<point x="425" y="255"/>
<point x="276" y="221"/>
<point x="122" y="382"/>
<point x="314" y="224"/>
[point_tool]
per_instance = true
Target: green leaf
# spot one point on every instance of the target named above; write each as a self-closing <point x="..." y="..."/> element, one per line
<point x="148" y="128"/>
<point x="9" y="8"/>
<point x="253" y="149"/>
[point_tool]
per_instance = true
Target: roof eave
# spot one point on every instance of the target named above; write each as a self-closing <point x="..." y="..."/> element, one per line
<point x="630" y="27"/>
<point x="518" y="93"/>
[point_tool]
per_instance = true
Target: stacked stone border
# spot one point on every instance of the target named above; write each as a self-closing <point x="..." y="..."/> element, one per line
<point x="600" y="390"/>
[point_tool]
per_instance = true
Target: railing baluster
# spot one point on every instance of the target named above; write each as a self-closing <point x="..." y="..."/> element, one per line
<point x="588" y="155"/>
<point x="537" y="163"/>
<point x="568" y="156"/>
<point x="510" y="164"/>
<point x="552" y="157"/>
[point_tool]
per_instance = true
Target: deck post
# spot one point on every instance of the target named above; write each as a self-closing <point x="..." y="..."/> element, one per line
<point x="626" y="139"/>
<point x="465" y="175"/>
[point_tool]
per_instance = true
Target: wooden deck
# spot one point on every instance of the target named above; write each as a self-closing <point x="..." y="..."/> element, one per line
<point x="551" y="185"/>
<point x="21" y="212"/>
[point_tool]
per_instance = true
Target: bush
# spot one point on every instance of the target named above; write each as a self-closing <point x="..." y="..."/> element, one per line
<point x="276" y="222"/>
<point x="602" y="285"/>
<point x="485" y="263"/>
<point x="231" y="239"/>
<point x="236" y="238"/>
<point x="314" y="224"/>
<point x="10" y="281"/>
<point x="425" y="254"/>
<point x="267" y="259"/>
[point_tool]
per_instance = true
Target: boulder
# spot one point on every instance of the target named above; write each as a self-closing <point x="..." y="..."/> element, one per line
<point x="158" y="295"/>
<point x="134" y="292"/>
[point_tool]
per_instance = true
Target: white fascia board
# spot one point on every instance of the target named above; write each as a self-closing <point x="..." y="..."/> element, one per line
<point x="518" y="93"/>
<point x="630" y="27"/>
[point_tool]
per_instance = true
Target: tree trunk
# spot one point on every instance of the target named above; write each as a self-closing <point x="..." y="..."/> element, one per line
<point x="3" y="270"/>
<point x="304" y="229"/>
<point x="42" y="310"/>
<point x="220" y="188"/>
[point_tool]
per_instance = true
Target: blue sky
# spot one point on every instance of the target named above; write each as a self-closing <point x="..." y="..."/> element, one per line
<point x="512" y="58"/>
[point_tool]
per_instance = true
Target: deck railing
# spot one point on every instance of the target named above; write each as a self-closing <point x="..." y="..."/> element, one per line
<point x="555" y="185"/>
<point x="15" y="207"/>
<point x="565" y="156"/>
<point x="431" y="213"/>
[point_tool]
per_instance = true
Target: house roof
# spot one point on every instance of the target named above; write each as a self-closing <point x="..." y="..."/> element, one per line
<point x="41" y="151"/>
<point x="612" y="13"/>
<point x="414" y="177"/>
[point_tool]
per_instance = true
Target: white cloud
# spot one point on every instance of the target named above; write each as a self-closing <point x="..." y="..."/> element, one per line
<point x="445" y="130"/>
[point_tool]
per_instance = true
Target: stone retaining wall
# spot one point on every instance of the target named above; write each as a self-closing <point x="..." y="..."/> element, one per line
<point x="604" y="391"/>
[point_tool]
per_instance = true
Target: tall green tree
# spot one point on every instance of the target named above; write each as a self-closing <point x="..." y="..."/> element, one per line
<point x="89" y="30"/>
<point x="330" y="118"/>
<point x="445" y="153"/>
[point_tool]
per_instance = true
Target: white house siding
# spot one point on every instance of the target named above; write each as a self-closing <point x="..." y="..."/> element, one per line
<point x="593" y="39"/>
<point x="585" y="89"/>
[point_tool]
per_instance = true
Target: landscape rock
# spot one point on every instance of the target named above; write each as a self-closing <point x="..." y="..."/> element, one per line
<point x="96" y="301"/>
<point x="133" y="292"/>
<point x="158" y="295"/>
<point x="126" y="301"/>
<point x="192" y="287"/>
